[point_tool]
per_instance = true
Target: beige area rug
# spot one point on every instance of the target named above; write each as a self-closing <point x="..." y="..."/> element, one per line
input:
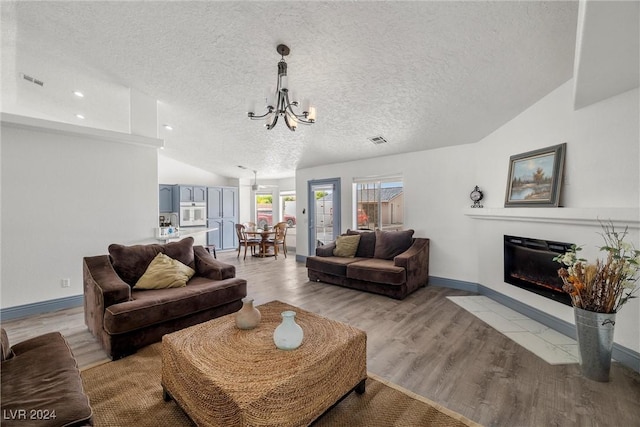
<point x="127" y="393"/>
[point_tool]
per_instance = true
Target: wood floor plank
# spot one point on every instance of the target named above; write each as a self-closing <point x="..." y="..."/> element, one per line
<point x="424" y="343"/>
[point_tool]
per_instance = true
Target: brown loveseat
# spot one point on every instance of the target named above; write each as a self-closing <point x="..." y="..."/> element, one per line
<point x="391" y="263"/>
<point x="125" y="319"/>
<point x="41" y="384"/>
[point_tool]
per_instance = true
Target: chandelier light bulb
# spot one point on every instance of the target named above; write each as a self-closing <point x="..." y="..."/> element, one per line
<point x="312" y="114"/>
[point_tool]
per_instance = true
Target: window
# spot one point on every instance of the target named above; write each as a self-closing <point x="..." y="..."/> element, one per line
<point x="379" y="203"/>
<point x="288" y="210"/>
<point x="288" y="207"/>
<point x="264" y="210"/>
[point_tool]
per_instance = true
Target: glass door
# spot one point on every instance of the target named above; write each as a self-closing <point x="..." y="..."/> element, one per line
<point x="324" y="212"/>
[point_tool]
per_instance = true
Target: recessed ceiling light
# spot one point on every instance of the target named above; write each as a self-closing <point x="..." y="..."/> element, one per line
<point x="168" y="127"/>
<point x="78" y="94"/>
<point x="80" y="116"/>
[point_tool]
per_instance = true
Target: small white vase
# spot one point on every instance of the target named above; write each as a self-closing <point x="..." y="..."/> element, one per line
<point x="248" y="316"/>
<point x="288" y="335"/>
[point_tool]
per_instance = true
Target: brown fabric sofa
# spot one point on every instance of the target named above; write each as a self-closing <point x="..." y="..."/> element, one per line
<point x="125" y="319"/>
<point x="41" y="384"/>
<point x="391" y="263"/>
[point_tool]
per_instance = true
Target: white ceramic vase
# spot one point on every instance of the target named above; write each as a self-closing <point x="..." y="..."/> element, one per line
<point x="288" y="335"/>
<point x="248" y="316"/>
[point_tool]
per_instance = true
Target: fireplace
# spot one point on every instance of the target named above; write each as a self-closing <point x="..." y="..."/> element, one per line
<point x="528" y="264"/>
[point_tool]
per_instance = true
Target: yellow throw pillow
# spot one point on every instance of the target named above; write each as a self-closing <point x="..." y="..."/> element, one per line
<point x="346" y="246"/>
<point x="165" y="272"/>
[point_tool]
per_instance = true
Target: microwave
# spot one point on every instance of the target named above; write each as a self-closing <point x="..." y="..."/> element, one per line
<point x="193" y="214"/>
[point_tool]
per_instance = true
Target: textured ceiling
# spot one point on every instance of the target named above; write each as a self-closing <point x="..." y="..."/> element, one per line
<point x="421" y="74"/>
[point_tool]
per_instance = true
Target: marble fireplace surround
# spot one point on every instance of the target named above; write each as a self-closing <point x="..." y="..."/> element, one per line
<point x="578" y="225"/>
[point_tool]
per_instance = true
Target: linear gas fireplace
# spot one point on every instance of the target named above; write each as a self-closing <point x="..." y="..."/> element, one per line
<point x="528" y="264"/>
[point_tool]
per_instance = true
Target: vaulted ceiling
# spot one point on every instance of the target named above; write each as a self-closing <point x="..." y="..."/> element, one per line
<point x="421" y="74"/>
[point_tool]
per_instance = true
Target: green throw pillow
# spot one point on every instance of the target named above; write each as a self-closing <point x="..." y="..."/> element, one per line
<point x="165" y="272"/>
<point x="346" y="246"/>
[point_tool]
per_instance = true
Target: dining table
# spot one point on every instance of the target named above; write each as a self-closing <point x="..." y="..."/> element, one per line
<point x="264" y="237"/>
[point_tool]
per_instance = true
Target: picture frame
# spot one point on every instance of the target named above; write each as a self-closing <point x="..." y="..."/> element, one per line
<point x="535" y="178"/>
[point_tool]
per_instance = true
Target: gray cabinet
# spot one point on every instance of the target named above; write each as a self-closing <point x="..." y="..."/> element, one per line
<point x="186" y="194"/>
<point x="166" y="198"/>
<point x="214" y="202"/>
<point x="193" y="193"/>
<point x="222" y="213"/>
<point x="199" y="194"/>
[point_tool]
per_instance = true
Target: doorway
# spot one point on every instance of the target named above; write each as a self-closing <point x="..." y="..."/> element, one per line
<point x="324" y="212"/>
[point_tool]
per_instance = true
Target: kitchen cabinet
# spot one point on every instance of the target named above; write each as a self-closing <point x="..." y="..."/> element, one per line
<point x="193" y="193"/>
<point x="222" y="213"/>
<point x="166" y="198"/>
<point x="188" y="202"/>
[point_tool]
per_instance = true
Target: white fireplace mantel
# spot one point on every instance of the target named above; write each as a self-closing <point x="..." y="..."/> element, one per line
<point x="620" y="217"/>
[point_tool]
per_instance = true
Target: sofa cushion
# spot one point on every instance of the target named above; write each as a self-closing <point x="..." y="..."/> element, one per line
<point x="377" y="271"/>
<point x="163" y="273"/>
<point x="181" y="250"/>
<point x="6" y="347"/>
<point x="326" y="250"/>
<point x="346" y="246"/>
<point x="367" y="245"/>
<point x="150" y="307"/>
<point x="392" y="243"/>
<point x="336" y="266"/>
<point x="43" y="376"/>
<point x="130" y="262"/>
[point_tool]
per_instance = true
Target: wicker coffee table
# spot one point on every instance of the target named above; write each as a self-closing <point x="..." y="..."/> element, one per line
<point x="223" y="376"/>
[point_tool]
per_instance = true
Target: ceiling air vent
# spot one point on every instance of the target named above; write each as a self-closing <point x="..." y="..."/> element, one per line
<point x="378" y="140"/>
<point x="32" y="80"/>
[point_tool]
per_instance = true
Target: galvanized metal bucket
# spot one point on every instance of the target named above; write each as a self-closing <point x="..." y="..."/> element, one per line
<point x="595" y="342"/>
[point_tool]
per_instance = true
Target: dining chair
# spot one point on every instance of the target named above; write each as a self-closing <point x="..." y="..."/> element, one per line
<point x="280" y="238"/>
<point x="273" y="242"/>
<point x="245" y="241"/>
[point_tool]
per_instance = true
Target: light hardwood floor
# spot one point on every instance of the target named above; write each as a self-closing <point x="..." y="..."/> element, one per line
<point x="424" y="343"/>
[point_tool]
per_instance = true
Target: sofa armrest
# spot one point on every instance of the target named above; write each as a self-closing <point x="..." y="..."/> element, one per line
<point x="415" y="261"/>
<point x="326" y="250"/>
<point x="98" y="271"/>
<point x="209" y="267"/>
<point x="102" y="288"/>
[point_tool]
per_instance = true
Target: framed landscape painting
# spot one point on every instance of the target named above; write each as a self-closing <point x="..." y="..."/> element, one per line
<point x="535" y="178"/>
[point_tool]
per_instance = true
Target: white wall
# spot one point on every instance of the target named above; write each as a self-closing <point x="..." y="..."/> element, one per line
<point x="171" y="171"/>
<point x="436" y="186"/>
<point x="603" y="178"/>
<point x="66" y="195"/>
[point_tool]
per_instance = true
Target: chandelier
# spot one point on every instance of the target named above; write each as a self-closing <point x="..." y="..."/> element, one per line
<point x="283" y="107"/>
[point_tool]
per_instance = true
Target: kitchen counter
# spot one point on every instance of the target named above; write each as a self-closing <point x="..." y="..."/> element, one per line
<point x="199" y="235"/>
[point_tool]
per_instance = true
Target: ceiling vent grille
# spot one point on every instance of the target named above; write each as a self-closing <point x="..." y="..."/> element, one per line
<point x="33" y="80"/>
<point x="378" y="140"/>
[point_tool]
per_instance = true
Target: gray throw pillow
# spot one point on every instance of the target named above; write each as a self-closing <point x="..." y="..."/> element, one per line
<point x="367" y="245"/>
<point x="390" y="244"/>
